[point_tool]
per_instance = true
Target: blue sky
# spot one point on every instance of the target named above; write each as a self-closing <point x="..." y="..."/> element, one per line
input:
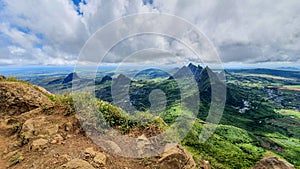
<point x="247" y="32"/>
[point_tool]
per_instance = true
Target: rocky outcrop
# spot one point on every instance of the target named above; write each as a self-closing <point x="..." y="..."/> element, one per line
<point x="2" y="77"/>
<point x="36" y="128"/>
<point x="273" y="163"/>
<point x="17" y="98"/>
<point x="176" y="157"/>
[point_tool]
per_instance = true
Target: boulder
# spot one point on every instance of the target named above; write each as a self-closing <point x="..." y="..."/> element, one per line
<point x="176" y="157"/>
<point x="76" y="164"/>
<point x="39" y="127"/>
<point x="39" y="145"/>
<point x="273" y="163"/>
<point x="100" y="158"/>
<point x="90" y="152"/>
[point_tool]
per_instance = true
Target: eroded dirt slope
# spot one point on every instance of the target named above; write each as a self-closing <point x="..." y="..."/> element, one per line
<point x="38" y="133"/>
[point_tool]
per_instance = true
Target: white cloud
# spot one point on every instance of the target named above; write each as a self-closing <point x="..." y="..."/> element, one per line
<point x="52" y="31"/>
<point x="16" y="50"/>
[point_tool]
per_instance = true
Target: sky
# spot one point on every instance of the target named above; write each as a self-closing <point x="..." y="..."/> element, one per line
<point x="53" y="32"/>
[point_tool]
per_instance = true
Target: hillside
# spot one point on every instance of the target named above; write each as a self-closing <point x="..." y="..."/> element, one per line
<point x="260" y="121"/>
<point x="41" y="130"/>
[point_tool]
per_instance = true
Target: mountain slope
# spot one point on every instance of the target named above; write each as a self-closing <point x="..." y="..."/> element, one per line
<point x="38" y="130"/>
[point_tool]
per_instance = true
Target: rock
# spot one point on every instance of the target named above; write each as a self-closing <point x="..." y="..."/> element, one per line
<point x="2" y="77"/>
<point x="69" y="127"/>
<point x="10" y="126"/>
<point x="65" y="157"/>
<point x="17" y="98"/>
<point x="205" y="165"/>
<point x="143" y="144"/>
<point x="100" y="159"/>
<point x="176" y="157"/>
<point x="39" y="144"/>
<point x="76" y="164"/>
<point x="273" y="163"/>
<point x="39" y="127"/>
<point x="113" y="146"/>
<point x="57" y="139"/>
<point x="43" y="90"/>
<point x="90" y="151"/>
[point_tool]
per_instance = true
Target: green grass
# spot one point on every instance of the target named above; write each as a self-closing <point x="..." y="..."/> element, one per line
<point x="14" y="79"/>
<point x="229" y="147"/>
<point x="287" y="112"/>
<point x="292" y="86"/>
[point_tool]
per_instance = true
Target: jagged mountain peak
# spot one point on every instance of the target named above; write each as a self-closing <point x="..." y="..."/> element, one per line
<point x="198" y="72"/>
<point x="72" y="76"/>
<point x="194" y="68"/>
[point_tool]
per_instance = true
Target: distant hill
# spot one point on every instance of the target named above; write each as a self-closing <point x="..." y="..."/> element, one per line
<point x="289" y="68"/>
<point x="151" y="73"/>
<point x="71" y="77"/>
<point x="103" y="80"/>
<point x="273" y="72"/>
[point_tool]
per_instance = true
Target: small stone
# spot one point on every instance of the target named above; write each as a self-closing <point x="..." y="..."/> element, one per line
<point x="39" y="144"/>
<point x="100" y="158"/>
<point x="66" y="157"/>
<point x="90" y="151"/>
<point x="57" y="139"/>
<point x="206" y="165"/>
<point x="69" y="126"/>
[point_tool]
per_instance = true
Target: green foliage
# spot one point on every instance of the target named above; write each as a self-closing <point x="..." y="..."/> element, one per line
<point x="23" y="139"/>
<point x="100" y="115"/>
<point x="171" y="114"/>
<point x="65" y="100"/>
<point x="233" y="134"/>
<point x="16" y="159"/>
<point x="229" y="147"/>
<point x="14" y="79"/>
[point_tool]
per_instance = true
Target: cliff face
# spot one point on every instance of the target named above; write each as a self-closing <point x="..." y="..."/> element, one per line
<point x="36" y="132"/>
